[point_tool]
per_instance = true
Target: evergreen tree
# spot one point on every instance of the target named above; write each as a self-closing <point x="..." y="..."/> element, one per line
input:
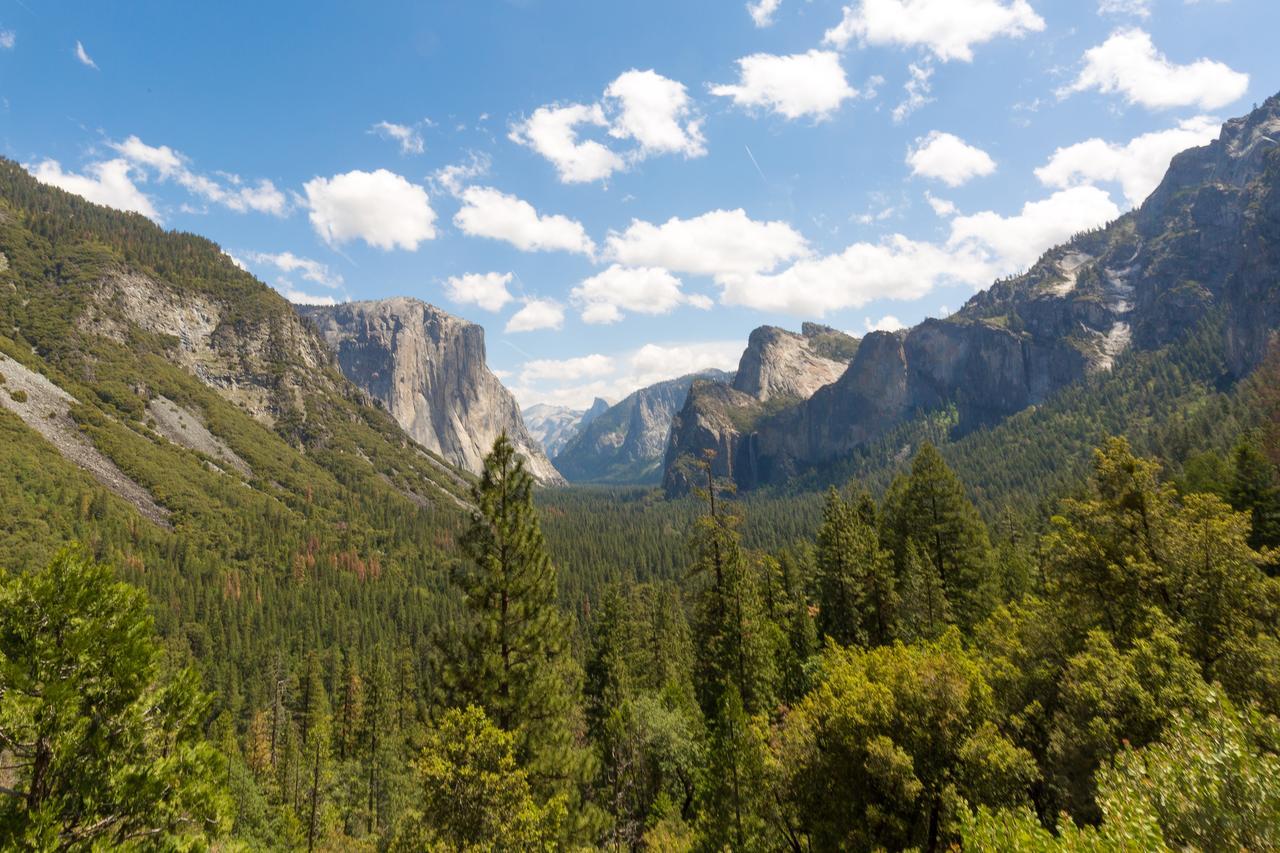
<point x="1254" y="489"/>
<point x="102" y="742"/>
<point x="733" y="638"/>
<point x="924" y="611"/>
<point x="856" y="597"/>
<point x="931" y="508"/>
<point x="733" y="815"/>
<point x="514" y="660"/>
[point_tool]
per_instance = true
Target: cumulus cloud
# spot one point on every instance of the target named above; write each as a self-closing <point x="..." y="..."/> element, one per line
<point x="8" y="38"/>
<point x="453" y="177"/>
<point x="1128" y="64"/>
<point x="887" y="323"/>
<point x="409" y="138"/>
<point x="949" y="159"/>
<point x="170" y="165"/>
<point x="537" y="314"/>
<point x="109" y="182"/>
<point x="567" y="369"/>
<point x="980" y="247"/>
<point x="801" y="84"/>
<point x="644" y="107"/>
<point x="485" y="290"/>
<point x="83" y="56"/>
<point x="300" y="297"/>
<point x="1137" y="165"/>
<point x="381" y="208"/>
<point x="715" y="243"/>
<point x="895" y="268"/>
<point x="288" y="262"/>
<point x="918" y="88"/>
<point x="552" y="131"/>
<point x="656" y="112"/>
<point x="762" y="11"/>
<point x="644" y="290"/>
<point x="561" y="382"/>
<point x="1012" y="243"/>
<point x="948" y="28"/>
<point x="487" y="212"/>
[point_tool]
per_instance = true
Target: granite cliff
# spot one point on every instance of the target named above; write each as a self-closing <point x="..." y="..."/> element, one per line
<point x="1204" y="247"/>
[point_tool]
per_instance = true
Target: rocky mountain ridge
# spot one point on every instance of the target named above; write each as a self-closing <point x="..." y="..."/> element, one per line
<point x="1205" y="244"/>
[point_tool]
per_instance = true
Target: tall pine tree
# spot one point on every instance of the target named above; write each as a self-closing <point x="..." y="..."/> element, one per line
<point x="512" y="658"/>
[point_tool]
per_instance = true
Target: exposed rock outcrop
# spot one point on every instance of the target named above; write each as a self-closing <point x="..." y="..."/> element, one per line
<point x="428" y="370"/>
<point x="625" y="444"/>
<point x="1204" y="243"/>
<point x="782" y="364"/>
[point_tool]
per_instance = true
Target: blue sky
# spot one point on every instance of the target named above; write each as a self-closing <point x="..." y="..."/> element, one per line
<point x="620" y="192"/>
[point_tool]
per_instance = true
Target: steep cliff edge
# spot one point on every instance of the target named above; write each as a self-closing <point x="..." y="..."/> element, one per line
<point x="1206" y="244"/>
<point x="428" y="370"/>
<point x="625" y="443"/>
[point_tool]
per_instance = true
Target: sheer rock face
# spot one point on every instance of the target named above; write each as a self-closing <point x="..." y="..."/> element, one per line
<point x="428" y="369"/>
<point x="625" y="443"/>
<point x="1206" y="242"/>
<point x="782" y="364"/>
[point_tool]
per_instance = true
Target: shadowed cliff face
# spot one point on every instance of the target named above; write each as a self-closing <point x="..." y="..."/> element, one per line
<point x="428" y="369"/>
<point x="1207" y="240"/>
<point x="625" y="442"/>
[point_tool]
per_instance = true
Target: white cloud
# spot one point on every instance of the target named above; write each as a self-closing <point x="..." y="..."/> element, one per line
<point x="1138" y="165"/>
<point x="485" y="290"/>
<point x="645" y="290"/>
<point x="653" y="111"/>
<point x="170" y="165"/>
<point x="8" y="38"/>
<point x="83" y="56"/>
<point x="896" y="268"/>
<point x="288" y="262"/>
<point x="1136" y="8"/>
<point x="487" y="212"/>
<point x="948" y="28"/>
<point x="381" y="208"/>
<point x="567" y="369"/>
<point x="762" y="11"/>
<point x="918" y="87"/>
<point x="1128" y="64"/>
<point x="299" y="297"/>
<point x="537" y="314"/>
<point x="715" y="243"/>
<point x="409" y="138"/>
<point x="980" y="248"/>
<point x="451" y="178"/>
<point x="949" y="159"/>
<point x="1012" y="243"/>
<point x="656" y="112"/>
<point x="941" y="206"/>
<point x="887" y="323"/>
<point x="557" y="382"/>
<point x="109" y="182"/>
<point x="802" y="84"/>
<point x="552" y="132"/>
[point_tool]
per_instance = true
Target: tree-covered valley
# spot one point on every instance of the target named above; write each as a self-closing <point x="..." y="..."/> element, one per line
<point x="253" y="597"/>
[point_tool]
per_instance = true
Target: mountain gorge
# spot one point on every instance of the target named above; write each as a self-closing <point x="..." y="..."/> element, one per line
<point x="1202" y="249"/>
<point x="555" y="426"/>
<point x="625" y="443"/>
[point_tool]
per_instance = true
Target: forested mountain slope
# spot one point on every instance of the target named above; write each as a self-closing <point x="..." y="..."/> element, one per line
<point x="168" y="409"/>
<point x="1202" y="248"/>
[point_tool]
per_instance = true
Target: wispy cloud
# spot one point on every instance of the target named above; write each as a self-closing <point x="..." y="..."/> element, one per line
<point x="83" y="55"/>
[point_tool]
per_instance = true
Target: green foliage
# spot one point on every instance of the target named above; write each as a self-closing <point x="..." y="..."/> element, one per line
<point x="892" y="746"/>
<point x="855" y="582"/>
<point x="473" y="794"/>
<point x="102" y="739"/>
<point x="511" y="655"/>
